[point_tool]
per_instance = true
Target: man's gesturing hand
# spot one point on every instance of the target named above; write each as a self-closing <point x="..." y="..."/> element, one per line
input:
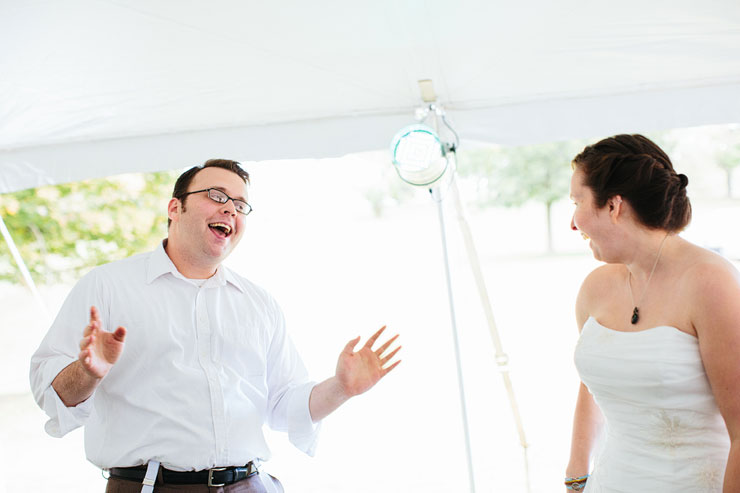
<point x="99" y="350"/>
<point x="358" y="371"/>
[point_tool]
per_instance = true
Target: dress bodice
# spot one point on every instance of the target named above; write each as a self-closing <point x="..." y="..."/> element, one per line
<point x="663" y="430"/>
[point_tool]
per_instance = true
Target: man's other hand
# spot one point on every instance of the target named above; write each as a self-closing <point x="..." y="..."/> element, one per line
<point x="99" y="350"/>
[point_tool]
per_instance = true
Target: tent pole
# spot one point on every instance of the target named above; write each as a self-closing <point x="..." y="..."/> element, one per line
<point x="436" y="195"/>
<point x="22" y="266"/>
<point x="502" y="359"/>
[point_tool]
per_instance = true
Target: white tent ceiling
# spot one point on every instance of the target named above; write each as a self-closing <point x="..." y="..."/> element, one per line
<point x="94" y="88"/>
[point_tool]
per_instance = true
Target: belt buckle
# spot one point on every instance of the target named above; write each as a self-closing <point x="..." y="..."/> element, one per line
<point x="210" y="476"/>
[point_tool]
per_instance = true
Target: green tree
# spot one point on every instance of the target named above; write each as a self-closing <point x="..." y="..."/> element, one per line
<point x="728" y="159"/>
<point x="63" y="230"/>
<point x="388" y="190"/>
<point x="511" y="177"/>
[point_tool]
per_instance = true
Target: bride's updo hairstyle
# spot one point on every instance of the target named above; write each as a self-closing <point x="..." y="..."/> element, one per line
<point x="635" y="168"/>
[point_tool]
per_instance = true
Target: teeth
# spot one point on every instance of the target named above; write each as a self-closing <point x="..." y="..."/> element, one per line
<point x="585" y="236"/>
<point x="225" y="227"/>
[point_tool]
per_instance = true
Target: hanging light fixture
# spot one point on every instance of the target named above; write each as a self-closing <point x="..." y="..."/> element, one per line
<point x="422" y="159"/>
<point x="418" y="155"/>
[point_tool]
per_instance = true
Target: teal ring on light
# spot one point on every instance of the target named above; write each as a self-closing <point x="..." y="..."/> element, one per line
<point x="404" y="132"/>
<point x="411" y="129"/>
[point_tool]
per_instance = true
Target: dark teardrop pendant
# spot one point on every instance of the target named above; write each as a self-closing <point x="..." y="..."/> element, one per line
<point x="635" y="316"/>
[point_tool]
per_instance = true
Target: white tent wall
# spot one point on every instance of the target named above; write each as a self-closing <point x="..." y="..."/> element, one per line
<point x="93" y="88"/>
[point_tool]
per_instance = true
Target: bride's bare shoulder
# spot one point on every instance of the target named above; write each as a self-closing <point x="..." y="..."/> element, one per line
<point x="704" y="268"/>
<point x="596" y="287"/>
<point x="603" y="277"/>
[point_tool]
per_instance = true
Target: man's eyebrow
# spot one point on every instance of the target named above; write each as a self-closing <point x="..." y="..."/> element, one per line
<point x="227" y="193"/>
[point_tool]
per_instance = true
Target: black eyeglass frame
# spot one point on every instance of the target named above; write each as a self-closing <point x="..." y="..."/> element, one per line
<point x="236" y="202"/>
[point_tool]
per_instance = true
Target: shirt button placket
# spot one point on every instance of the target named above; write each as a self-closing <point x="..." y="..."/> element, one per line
<point x="215" y="392"/>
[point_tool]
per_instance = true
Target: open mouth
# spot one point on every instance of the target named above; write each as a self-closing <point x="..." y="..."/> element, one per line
<point x="221" y="229"/>
<point x="585" y="236"/>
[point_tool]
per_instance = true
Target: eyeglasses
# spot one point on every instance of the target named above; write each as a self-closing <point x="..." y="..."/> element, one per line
<point x="218" y="196"/>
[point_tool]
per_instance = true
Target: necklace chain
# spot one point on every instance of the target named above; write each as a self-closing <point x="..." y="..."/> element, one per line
<point x="636" y="311"/>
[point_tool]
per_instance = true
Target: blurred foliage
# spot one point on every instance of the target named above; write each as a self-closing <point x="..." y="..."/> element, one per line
<point x="728" y="158"/>
<point x="513" y="176"/>
<point x="63" y="230"/>
<point x="389" y="191"/>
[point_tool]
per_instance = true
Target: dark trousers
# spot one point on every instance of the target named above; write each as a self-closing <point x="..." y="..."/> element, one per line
<point x="249" y="485"/>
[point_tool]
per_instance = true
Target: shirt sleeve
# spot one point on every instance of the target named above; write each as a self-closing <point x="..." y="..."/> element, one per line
<point x="59" y="349"/>
<point x="289" y="388"/>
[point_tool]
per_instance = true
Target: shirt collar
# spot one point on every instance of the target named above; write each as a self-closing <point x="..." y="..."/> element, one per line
<point x="160" y="264"/>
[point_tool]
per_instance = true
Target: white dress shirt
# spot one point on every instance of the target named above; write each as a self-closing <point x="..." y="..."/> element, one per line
<point x="203" y="367"/>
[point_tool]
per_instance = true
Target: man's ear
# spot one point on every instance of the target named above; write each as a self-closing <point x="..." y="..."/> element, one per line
<point x="174" y="208"/>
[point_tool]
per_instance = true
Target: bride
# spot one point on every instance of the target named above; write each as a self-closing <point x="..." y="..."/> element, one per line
<point x="659" y="352"/>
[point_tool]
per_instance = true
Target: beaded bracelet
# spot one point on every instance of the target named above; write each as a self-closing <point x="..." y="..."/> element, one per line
<point x="576" y="484"/>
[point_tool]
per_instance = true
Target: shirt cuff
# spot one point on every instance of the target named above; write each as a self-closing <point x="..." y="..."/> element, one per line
<point x="63" y="419"/>
<point x="302" y="431"/>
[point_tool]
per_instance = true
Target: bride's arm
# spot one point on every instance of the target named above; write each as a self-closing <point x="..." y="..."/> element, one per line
<point x="716" y="319"/>
<point x="587" y="421"/>
<point x="587" y="418"/>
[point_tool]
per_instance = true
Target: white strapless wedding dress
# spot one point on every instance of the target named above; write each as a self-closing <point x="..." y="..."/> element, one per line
<point x="663" y="430"/>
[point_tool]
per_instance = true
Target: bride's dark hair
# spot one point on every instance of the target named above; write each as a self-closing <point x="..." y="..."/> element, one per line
<point x="635" y="168"/>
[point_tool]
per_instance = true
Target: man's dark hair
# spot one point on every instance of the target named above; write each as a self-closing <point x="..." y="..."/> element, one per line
<point x="184" y="180"/>
<point x="634" y="167"/>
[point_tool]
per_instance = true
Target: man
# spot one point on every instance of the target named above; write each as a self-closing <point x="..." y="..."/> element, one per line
<point x="182" y="360"/>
